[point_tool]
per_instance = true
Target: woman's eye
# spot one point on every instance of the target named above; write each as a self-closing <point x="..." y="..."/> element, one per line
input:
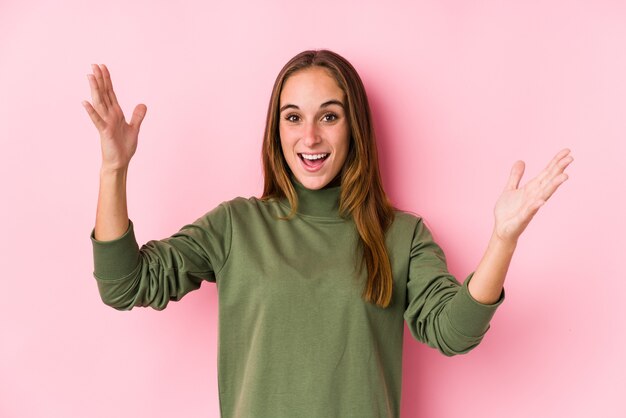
<point x="292" y="118"/>
<point x="330" y="117"/>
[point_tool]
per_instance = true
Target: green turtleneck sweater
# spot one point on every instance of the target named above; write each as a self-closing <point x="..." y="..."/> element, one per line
<point x="295" y="337"/>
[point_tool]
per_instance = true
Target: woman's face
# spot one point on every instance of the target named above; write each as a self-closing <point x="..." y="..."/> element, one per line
<point x="314" y="130"/>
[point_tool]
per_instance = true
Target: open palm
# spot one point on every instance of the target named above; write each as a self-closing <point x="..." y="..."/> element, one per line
<point x="118" y="138"/>
<point x="517" y="205"/>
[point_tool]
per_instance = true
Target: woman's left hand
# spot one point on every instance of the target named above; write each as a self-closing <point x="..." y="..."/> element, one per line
<point x="517" y="205"/>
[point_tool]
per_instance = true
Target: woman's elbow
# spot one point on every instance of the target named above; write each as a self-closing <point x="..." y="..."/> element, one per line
<point x="452" y="343"/>
<point x="116" y="296"/>
<point x="117" y="303"/>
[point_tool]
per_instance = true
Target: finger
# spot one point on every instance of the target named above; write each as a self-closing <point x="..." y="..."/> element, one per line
<point x="553" y="163"/>
<point x="108" y="85"/>
<point x="100" y="80"/>
<point x="561" y="165"/>
<point x="517" y="171"/>
<point x="553" y="185"/>
<point x="558" y="157"/>
<point x="95" y="117"/>
<point x="96" y="96"/>
<point x="556" y="170"/>
<point x="138" y="114"/>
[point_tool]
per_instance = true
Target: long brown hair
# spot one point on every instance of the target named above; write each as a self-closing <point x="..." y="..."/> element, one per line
<point x="362" y="194"/>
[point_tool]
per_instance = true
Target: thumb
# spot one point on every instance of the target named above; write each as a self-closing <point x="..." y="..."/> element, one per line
<point x="138" y="114"/>
<point x="517" y="171"/>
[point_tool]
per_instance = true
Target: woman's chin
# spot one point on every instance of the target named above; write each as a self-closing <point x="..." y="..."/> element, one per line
<point x="313" y="182"/>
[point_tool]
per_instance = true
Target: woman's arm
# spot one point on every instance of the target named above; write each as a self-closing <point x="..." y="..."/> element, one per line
<point x="112" y="210"/>
<point x="118" y="141"/>
<point x="513" y="212"/>
<point x="161" y="270"/>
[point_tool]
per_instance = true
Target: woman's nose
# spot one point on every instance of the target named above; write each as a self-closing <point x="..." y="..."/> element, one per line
<point x="311" y="134"/>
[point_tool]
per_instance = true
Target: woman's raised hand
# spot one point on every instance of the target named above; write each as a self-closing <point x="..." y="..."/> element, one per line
<point x="118" y="138"/>
<point x="517" y="205"/>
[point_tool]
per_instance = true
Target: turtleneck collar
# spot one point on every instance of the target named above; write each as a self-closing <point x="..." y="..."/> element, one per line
<point x="322" y="203"/>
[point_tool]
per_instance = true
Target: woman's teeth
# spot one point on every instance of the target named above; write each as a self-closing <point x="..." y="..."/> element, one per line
<point x="313" y="156"/>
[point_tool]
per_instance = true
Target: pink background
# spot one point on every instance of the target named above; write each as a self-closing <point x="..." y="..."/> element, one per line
<point x="459" y="90"/>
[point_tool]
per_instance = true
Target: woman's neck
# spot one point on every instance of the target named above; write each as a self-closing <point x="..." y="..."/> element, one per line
<point x="322" y="202"/>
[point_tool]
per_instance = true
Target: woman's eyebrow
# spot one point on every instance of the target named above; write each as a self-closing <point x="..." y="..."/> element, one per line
<point x="331" y="102"/>
<point x="325" y="104"/>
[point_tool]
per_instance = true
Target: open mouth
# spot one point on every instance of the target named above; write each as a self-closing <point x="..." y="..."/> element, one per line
<point x="313" y="160"/>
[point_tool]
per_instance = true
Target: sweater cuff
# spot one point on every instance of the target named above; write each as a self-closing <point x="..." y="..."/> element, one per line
<point x="116" y="258"/>
<point x="468" y="316"/>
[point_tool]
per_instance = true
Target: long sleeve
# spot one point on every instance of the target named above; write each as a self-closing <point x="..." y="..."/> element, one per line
<point x="161" y="270"/>
<point x="440" y="311"/>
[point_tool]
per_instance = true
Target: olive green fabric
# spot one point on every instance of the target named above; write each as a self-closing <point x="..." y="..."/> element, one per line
<point x="295" y="337"/>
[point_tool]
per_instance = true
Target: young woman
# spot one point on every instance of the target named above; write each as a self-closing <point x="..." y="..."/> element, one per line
<point x="316" y="277"/>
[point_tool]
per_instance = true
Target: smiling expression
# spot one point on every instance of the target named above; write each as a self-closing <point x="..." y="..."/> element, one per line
<point x="314" y="130"/>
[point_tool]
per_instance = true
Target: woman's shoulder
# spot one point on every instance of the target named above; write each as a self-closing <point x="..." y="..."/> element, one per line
<point x="406" y="217"/>
<point x="406" y="220"/>
<point x="246" y="206"/>
<point x="411" y="221"/>
<point x="249" y="201"/>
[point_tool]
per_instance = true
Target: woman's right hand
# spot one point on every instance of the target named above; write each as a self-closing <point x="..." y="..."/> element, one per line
<point x="118" y="138"/>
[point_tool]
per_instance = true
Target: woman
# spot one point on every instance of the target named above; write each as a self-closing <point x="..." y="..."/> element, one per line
<point x="316" y="277"/>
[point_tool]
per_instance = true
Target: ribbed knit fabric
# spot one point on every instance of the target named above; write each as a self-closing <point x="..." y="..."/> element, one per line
<point x="296" y="339"/>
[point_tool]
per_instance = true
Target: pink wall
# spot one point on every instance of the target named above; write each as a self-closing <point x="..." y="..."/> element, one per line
<point x="460" y="90"/>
